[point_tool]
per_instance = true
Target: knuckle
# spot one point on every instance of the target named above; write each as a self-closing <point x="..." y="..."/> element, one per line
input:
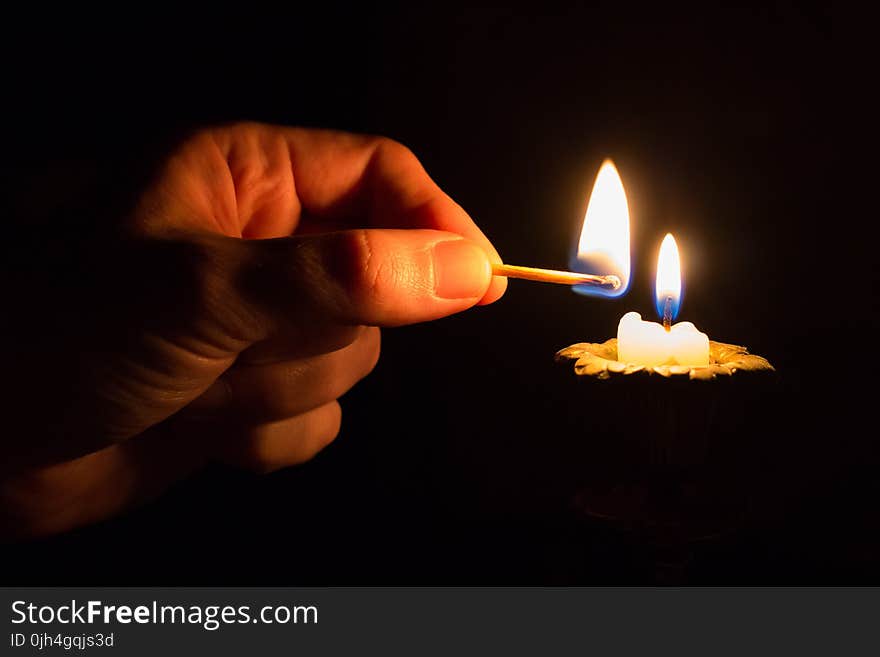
<point x="336" y="377"/>
<point x="196" y="143"/>
<point x="331" y="426"/>
<point x="346" y="368"/>
<point x="220" y="133"/>
<point x="241" y="127"/>
<point x="373" y="350"/>
<point x="389" y="150"/>
<point x="262" y="455"/>
<point x="197" y="139"/>
<point x="224" y="274"/>
<point x="256" y="453"/>
<point x="360" y="267"/>
<point x="338" y="337"/>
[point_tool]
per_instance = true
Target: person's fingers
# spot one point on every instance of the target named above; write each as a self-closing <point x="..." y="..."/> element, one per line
<point x="47" y="500"/>
<point x="264" y="393"/>
<point x="352" y="178"/>
<point x="258" y="181"/>
<point x="282" y="347"/>
<point x="274" y="445"/>
<point x="170" y="316"/>
<point x="235" y="180"/>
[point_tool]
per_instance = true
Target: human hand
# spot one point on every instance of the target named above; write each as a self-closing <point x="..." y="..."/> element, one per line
<point x="238" y="302"/>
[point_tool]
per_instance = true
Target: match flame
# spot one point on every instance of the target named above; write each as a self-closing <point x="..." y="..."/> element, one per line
<point x="603" y="248"/>
<point x="668" y="285"/>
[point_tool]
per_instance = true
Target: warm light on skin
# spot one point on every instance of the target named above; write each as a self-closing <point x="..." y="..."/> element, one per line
<point x="668" y="282"/>
<point x="603" y="247"/>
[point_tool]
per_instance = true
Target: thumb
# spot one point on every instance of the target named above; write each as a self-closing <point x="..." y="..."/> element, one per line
<point x="379" y="277"/>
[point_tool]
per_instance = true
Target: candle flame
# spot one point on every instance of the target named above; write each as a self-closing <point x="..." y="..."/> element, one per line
<point x="668" y="284"/>
<point x="603" y="248"/>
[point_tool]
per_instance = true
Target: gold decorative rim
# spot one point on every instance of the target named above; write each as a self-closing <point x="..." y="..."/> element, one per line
<point x="600" y="360"/>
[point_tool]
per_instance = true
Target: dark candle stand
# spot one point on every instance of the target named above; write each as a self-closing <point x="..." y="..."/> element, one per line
<point x="670" y="462"/>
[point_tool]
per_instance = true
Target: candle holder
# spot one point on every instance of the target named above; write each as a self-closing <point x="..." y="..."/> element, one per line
<point x="668" y="455"/>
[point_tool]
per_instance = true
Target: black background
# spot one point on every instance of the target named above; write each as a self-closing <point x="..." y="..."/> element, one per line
<point x="719" y="120"/>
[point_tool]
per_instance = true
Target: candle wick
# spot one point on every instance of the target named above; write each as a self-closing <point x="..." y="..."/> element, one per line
<point x="667" y="314"/>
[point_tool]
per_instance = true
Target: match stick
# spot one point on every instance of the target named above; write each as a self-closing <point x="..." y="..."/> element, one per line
<point x="554" y="276"/>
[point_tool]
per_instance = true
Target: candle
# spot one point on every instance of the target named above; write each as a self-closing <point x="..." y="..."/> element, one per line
<point x="649" y="344"/>
<point x="652" y="344"/>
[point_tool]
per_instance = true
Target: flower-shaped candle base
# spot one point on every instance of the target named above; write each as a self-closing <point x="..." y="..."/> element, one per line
<point x="600" y="360"/>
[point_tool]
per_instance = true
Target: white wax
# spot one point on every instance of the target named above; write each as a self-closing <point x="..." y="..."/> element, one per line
<point x="649" y="344"/>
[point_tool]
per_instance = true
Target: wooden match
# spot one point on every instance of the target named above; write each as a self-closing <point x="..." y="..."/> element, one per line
<point x="555" y="276"/>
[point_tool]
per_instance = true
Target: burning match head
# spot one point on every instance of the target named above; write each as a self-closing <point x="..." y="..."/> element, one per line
<point x="610" y="287"/>
<point x="613" y="282"/>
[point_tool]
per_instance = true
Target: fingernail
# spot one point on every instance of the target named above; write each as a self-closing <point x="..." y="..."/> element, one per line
<point x="461" y="270"/>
